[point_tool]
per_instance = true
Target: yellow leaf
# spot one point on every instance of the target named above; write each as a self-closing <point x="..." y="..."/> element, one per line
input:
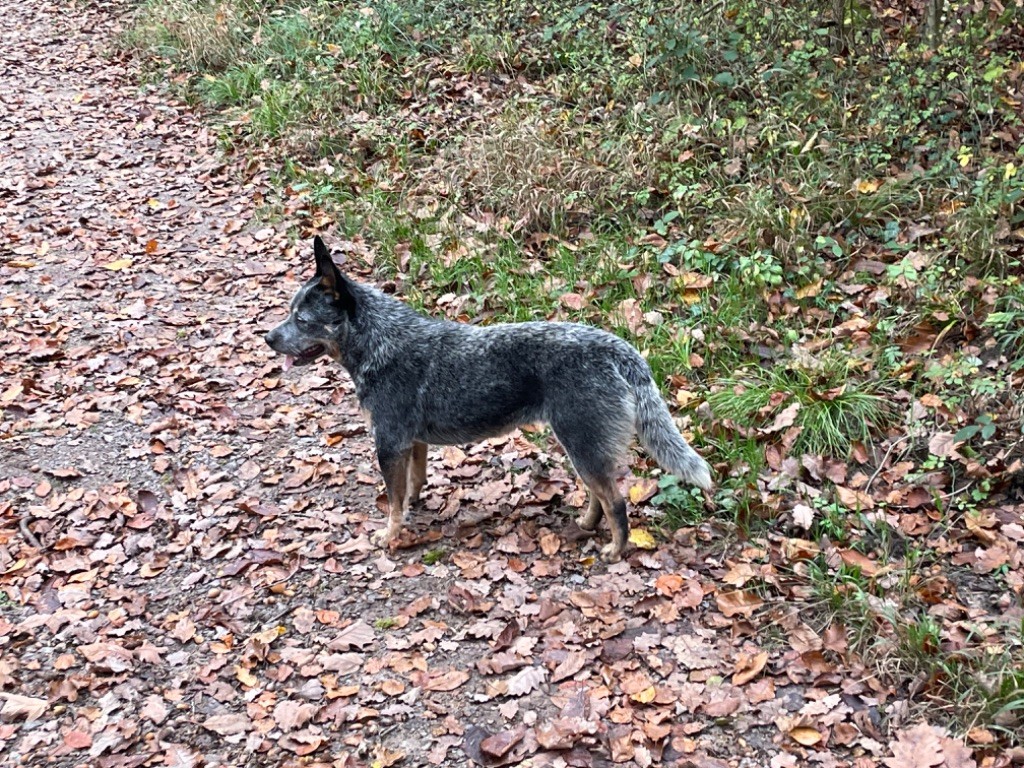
<point x="691" y="297"/>
<point x="120" y="264"/>
<point x="642" y="539"/>
<point x="806" y="736"/>
<point x="1009" y="171"/>
<point x="153" y="202"/>
<point x="810" y="290"/>
<point x="17" y="566"/>
<point x="643" y="489"/>
<point x="684" y="397"/>
<point x="21" y="264"/>
<point x="246" y="677"/>
<point x="866" y="187"/>
<point x="646" y="696"/>
<point x="635" y="60"/>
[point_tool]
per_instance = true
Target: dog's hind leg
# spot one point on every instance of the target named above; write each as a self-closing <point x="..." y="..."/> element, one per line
<point x="594" y="444"/>
<point x="606" y="491"/>
<point x="588" y="520"/>
<point x="395" y="467"/>
<point x="417" y="471"/>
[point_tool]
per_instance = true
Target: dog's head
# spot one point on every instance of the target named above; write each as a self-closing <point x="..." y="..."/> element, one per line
<point x="320" y="315"/>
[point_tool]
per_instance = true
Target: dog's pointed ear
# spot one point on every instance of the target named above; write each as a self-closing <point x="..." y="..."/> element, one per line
<point x="330" y="276"/>
<point x="324" y="263"/>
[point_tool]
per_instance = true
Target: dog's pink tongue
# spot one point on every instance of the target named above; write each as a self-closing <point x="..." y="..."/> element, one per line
<point x="288" y="360"/>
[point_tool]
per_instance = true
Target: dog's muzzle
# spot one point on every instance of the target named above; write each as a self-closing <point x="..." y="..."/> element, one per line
<point x="301" y="357"/>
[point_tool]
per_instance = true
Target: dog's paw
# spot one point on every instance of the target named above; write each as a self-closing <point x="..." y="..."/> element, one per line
<point x="381" y="538"/>
<point x="586" y="525"/>
<point x="610" y="554"/>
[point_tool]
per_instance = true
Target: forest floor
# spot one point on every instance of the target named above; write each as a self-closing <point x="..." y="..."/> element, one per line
<point x="186" y="574"/>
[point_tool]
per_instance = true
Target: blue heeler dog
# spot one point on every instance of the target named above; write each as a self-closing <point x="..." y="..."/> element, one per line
<point x="435" y="382"/>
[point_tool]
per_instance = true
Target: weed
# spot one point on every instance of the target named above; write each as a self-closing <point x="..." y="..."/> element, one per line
<point x="209" y="34"/>
<point x="385" y="623"/>
<point x="434" y="556"/>
<point x="817" y="397"/>
<point x="1007" y="323"/>
<point x="680" y="505"/>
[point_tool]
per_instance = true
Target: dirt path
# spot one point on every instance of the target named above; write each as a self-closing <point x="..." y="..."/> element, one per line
<point x="184" y="530"/>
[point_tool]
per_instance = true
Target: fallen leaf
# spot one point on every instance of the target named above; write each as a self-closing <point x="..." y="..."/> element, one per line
<point x="15" y="706"/>
<point x="229" y="724"/>
<point x="748" y="667"/>
<point x="917" y="747"/>
<point x="738" y="603"/>
<point x="526" y="680"/>
<point x="806" y="736"/>
<point x="642" y="539"/>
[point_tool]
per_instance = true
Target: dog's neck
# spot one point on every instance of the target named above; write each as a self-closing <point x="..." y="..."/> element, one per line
<point x="382" y="330"/>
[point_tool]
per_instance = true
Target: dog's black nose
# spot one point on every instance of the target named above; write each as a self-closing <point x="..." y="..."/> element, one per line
<point x="272" y="337"/>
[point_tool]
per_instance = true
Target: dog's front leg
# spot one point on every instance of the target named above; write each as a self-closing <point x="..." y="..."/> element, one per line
<point x="417" y="471"/>
<point x="394" y="464"/>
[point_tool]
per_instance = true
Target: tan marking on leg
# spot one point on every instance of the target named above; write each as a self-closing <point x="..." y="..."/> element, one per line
<point x="615" y="513"/>
<point x="396" y="479"/>
<point x="417" y="471"/>
<point x="588" y="520"/>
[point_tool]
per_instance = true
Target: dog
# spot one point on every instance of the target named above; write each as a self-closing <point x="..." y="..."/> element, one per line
<point x="425" y="381"/>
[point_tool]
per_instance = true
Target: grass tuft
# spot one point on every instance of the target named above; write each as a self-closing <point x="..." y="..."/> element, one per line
<point x="818" y="400"/>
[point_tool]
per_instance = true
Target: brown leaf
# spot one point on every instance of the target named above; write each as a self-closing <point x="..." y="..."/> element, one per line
<point x="854" y="500"/>
<point x="290" y="715"/>
<point x="109" y="656"/>
<point x="154" y="709"/>
<point x="303" y="742"/>
<point x="179" y="756"/>
<point x="356" y="635"/>
<point x="564" y="732"/>
<point x="669" y="583"/>
<point x="446" y="681"/>
<point x="569" y="666"/>
<point x="15" y="705"/>
<point x="738" y="603"/>
<point x="77" y="740"/>
<point x="526" y="680"/>
<point x="229" y="724"/>
<point x="500" y="743"/>
<point x="803" y="516"/>
<point x="805" y="735"/>
<point x="748" y="667"/>
<point x="941" y="444"/>
<point x="957" y="754"/>
<point x="642" y="490"/>
<point x="854" y="558"/>
<point x="917" y="747"/>
<point x="784" y="419"/>
<point x="572" y="300"/>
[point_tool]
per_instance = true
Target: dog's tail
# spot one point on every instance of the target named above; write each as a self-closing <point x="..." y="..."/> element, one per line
<point x="659" y="435"/>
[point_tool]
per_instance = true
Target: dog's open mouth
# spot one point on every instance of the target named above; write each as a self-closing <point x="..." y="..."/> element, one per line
<point x="305" y="357"/>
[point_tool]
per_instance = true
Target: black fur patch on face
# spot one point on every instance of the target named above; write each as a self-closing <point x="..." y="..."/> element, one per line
<point x="319" y="317"/>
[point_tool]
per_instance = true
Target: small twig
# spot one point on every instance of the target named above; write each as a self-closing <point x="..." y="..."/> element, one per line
<point x="280" y="615"/>
<point x="29" y="536"/>
<point x="885" y="458"/>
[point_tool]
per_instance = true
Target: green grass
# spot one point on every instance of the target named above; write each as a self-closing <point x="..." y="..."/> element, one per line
<point x="974" y="684"/>
<point x="818" y="397"/>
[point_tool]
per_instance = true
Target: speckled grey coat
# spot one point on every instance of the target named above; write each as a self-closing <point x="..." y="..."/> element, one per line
<point x="428" y="381"/>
